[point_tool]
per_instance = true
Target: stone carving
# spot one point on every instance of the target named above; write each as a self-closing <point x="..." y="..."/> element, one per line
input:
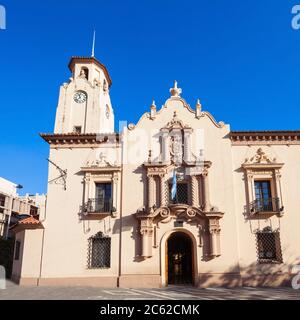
<point x="131" y="126"/>
<point x="175" y="123"/>
<point x="260" y="157"/>
<point x="176" y="148"/>
<point x="101" y="162"/>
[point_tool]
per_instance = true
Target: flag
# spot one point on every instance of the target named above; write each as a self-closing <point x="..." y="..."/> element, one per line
<point x="174" y="186"/>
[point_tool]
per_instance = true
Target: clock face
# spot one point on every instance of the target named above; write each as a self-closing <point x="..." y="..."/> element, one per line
<point x="80" y="97"/>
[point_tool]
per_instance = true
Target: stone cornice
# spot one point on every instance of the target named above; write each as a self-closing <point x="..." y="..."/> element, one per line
<point x="71" y="140"/>
<point x="264" y="137"/>
<point x="157" y="168"/>
<point x="101" y="169"/>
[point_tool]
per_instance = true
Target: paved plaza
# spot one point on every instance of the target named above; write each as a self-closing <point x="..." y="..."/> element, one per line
<point x="16" y="292"/>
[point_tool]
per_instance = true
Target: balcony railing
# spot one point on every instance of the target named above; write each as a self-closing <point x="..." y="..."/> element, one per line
<point x="95" y="206"/>
<point x="265" y="205"/>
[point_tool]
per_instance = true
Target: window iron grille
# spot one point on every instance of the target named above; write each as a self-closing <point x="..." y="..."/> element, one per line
<point x="268" y="246"/>
<point x="99" y="247"/>
<point x="181" y="196"/>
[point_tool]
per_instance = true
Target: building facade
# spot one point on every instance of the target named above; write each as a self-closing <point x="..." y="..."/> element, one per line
<point x="177" y="198"/>
<point x="14" y="207"/>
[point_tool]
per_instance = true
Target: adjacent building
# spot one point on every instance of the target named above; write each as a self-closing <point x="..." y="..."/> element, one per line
<point x="177" y="198"/>
<point x="14" y="207"/>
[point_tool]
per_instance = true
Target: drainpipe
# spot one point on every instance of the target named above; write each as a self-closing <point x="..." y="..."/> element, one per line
<point x="121" y="211"/>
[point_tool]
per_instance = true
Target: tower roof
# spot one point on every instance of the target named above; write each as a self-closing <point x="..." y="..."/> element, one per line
<point x="77" y="59"/>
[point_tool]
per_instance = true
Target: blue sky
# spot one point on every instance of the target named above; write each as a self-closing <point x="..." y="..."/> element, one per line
<point x="236" y="56"/>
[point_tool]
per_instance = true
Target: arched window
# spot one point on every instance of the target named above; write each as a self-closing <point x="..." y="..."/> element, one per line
<point x="85" y="72"/>
<point x="105" y="87"/>
<point x="99" y="251"/>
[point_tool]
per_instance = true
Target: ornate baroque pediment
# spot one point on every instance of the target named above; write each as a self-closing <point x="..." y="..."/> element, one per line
<point x="261" y="160"/>
<point x="260" y="157"/>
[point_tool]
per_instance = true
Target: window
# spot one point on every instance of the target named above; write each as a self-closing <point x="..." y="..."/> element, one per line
<point x="103" y="197"/>
<point x="77" y="129"/>
<point x="85" y="72"/>
<point x="268" y="246"/>
<point x="263" y="186"/>
<point x="105" y="87"/>
<point x="17" y="250"/>
<point x="2" y="200"/>
<point x="99" y="251"/>
<point x="181" y="193"/>
<point x="33" y="211"/>
<point x="263" y="196"/>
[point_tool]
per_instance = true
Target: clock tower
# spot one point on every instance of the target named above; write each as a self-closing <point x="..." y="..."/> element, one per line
<point x="84" y="104"/>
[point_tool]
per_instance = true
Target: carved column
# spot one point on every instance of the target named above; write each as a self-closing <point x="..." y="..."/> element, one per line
<point x="207" y="205"/>
<point x="194" y="187"/>
<point x="87" y="182"/>
<point x="187" y="145"/>
<point x="277" y="177"/>
<point x="115" y="193"/>
<point x="151" y="190"/>
<point x="165" y="146"/>
<point x="200" y="236"/>
<point x="250" y="185"/>
<point x="214" y="231"/>
<point x="163" y="190"/>
<point x="200" y="190"/>
<point x="146" y="232"/>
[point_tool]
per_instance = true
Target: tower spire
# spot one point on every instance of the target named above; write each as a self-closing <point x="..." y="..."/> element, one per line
<point x="93" y="47"/>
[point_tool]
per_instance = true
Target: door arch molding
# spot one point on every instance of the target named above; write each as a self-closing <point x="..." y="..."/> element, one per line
<point x="163" y="263"/>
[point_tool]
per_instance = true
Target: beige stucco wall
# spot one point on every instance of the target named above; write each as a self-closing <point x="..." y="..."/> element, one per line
<point x="289" y="223"/>
<point x="17" y="264"/>
<point x="66" y="233"/>
<point x="27" y="268"/>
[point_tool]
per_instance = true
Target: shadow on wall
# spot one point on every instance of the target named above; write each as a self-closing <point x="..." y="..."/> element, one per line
<point x="255" y="275"/>
<point x="6" y="255"/>
<point x="130" y="223"/>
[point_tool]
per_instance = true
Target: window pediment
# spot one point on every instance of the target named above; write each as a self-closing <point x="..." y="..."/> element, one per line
<point x="260" y="161"/>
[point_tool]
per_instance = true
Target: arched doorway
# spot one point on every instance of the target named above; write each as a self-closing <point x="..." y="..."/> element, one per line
<point x="179" y="259"/>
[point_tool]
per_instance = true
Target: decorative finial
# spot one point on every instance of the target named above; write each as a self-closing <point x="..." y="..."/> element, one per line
<point x="198" y="109"/>
<point x="93" y="47"/>
<point x="175" y="91"/>
<point x="152" y="110"/>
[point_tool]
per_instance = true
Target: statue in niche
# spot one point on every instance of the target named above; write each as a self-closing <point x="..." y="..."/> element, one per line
<point x="176" y="149"/>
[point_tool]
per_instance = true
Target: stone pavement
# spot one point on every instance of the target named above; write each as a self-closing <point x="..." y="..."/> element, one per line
<point x="15" y="292"/>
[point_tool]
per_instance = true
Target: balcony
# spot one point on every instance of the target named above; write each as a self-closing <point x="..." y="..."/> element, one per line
<point x="98" y="207"/>
<point x="266" y="206"/>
